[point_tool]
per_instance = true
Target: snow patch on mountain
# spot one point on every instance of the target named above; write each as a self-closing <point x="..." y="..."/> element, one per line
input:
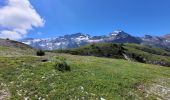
<point x="79" y="39"/>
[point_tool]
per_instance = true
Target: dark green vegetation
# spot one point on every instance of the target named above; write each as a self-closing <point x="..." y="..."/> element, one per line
<point x="40" y="53"/>
<point x="133" y="52"/>
<point x="100" y="50"/>
<point x="57" y="76"/>
<point x="62" y="65"/>
<point x="148" y="54"/>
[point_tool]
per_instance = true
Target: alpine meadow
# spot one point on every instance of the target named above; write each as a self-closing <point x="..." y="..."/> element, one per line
<point x="84" y="50"/>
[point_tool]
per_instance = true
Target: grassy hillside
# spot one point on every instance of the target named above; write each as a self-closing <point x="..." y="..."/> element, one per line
<point x="14" y="44"/>
<point x="14" y="48"/>
<point x="149" y="49"/>
<point x="133" y="52"/>
<point x="90" y="78"/>
<point x="109" y="50"/>
<point x="57" y="76"/>
<point x="148" y="54"/>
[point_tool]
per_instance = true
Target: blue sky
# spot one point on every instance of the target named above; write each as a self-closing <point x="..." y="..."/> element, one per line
<point x="98" y="17"/>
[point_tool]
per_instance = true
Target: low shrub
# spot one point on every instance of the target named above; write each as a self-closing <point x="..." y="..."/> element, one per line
<point x="40" y="53"/>
<point x="62" y="66"/>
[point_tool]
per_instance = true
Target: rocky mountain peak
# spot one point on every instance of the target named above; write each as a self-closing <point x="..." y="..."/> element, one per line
<point x="76" y="35"/>
<point x="119" y="33"/>
<point x="80" y="39"/>
<point x="167" y="36"/>
<point x="148" y="36"/>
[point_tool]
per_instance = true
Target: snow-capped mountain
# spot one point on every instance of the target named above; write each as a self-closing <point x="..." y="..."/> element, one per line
<point x="67" y="41"/>
<point x="158" y="41"/>
<point x="79" y="39"/>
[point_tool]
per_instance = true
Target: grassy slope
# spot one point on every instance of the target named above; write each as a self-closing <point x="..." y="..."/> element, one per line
<point x="11" y="51"/>
<point x="151" y="54"/>
<point x="149" y="49"/>
<point x="145" y="54"/>
<point x="92" y="77"/>
<point x="14" y="48"/>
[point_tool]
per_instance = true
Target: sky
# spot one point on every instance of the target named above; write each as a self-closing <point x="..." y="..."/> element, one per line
<point x="51" y="18"/>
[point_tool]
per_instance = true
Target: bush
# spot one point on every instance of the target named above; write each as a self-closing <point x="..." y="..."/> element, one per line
<point x="40" y="53"/>
<point x="62" y="66"/>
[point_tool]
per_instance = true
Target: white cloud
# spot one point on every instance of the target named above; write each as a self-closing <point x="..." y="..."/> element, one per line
<point x="10" y="34"/>
<point x="17" y="18"/>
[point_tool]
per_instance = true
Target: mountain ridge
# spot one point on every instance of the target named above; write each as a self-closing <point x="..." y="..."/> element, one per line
<point x="80" y="39"/>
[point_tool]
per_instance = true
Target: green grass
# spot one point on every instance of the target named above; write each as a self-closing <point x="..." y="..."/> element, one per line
<point x="12" y="48"/>
<point x="151" y="54"/>
<point x="135" y="52"/>
<point x="90" y="77"/>
<point x="149" y="49"/>
<point x="11" y="51"/>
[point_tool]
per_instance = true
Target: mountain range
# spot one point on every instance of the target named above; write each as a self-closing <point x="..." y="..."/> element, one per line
<point x="79" y="39"/>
